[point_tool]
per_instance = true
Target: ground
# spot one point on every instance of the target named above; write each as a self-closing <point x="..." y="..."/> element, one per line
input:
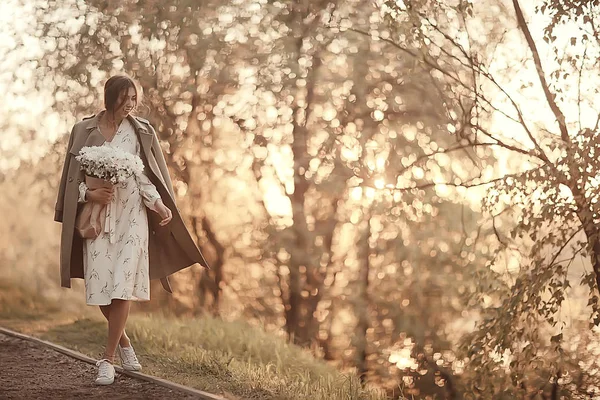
<point x="32" y="371"/>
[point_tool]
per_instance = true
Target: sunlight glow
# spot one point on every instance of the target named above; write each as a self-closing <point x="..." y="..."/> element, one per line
<point x="402" y="356"/>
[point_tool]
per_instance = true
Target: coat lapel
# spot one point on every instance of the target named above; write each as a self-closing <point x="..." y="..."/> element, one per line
<point x="145" y="138"/>
<point x="91" y="136"/>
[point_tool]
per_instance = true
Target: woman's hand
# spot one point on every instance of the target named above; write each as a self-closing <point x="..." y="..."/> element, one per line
<point x="100" y="195"/>
<point x="163" y="211"/>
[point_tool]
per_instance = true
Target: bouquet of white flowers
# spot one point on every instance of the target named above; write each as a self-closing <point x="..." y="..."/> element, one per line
<point x="110" y="164"/>
<point x="103" y="167"/>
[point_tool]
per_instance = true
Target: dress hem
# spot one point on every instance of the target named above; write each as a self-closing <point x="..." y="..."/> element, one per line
<point x="117" y="298"/>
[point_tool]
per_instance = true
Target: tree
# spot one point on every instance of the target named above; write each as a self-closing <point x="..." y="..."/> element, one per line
<point x="316" y="149"/>
<point x="551" y="191"/>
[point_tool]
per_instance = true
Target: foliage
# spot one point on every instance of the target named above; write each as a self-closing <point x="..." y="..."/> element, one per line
<point x="330" y="158"/>
<point x="550" y="195"/>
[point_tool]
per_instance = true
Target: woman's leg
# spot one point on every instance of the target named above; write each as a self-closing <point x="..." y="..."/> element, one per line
<point x="119" y="311"/>
<point x="124" y="340"/>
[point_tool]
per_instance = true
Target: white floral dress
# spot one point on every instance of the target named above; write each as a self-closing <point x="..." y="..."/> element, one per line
<point x="116" y="263"/>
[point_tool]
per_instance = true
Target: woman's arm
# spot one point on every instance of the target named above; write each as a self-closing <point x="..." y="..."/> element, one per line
<point x="152" y="199"/>
<point x="148" y="191"/>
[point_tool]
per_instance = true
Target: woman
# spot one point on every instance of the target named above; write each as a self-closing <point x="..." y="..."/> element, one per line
<point x="147" y="239"/>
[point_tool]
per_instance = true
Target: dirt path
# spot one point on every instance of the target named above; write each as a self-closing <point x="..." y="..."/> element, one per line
<point x="32" y="371"/>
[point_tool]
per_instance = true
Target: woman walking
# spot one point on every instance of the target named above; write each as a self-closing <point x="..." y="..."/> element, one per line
<point x="146" y="239"/>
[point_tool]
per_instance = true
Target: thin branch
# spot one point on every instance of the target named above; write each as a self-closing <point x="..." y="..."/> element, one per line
<point x="597" y="123"/>
<point x="467" y="117"/>
<point x="550" y="97"/>
<point x="579" y="86"/>
<point x="508" y="146"/>
<point x="595" y="33"/>
<point x="560" y="250"/>
<point x="446" y="151"/>
<point x="496" y="233"/>
<point x="412" y="53"/>
<point x="468" y="184"/>
<point x="448" y="38"/>
<point x="520" y="120"/>
<point x="477" y="67"/>
<point x="475" y="74"/>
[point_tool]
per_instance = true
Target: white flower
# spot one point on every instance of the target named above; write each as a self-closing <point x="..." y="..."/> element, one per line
<point x="111" y="164"/>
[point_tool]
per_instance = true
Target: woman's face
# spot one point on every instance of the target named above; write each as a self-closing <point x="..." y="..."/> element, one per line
<point x="129" y="100"/>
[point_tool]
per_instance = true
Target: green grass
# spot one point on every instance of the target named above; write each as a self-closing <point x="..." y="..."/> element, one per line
<point x="229" y="358"/>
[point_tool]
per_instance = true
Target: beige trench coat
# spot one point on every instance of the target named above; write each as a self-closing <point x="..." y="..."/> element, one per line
<point x="171" y="247"/>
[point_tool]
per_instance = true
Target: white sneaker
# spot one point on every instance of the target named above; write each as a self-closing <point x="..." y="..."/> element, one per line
<point x="106" y="372"/>
<point x="129" y="360"/>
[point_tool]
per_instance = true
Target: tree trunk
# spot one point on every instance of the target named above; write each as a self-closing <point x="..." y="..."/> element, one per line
<point x="592" y="234"/>
<point x="363" y="302"/>
<point x="215" y="273"/>
<point x="300" y="317"/>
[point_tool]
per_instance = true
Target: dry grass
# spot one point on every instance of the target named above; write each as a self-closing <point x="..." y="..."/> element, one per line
<point x="230" y="358"/>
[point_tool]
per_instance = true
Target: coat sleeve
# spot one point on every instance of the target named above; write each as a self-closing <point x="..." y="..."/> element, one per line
<point x="162" y="164"/>
<point x="60" y="200"/>
<point x="147" y="189"/>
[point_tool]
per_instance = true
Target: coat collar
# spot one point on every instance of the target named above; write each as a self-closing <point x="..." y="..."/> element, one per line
<point x="91" y="135"/>
<point x="137" y="122"/>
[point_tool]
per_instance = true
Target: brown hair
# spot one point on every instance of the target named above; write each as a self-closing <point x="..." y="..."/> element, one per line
<point x="114" y="86"/>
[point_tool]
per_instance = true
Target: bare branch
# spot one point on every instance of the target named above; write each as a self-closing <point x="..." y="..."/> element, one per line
<point x="473" y="71"/>
<point x="478" y="95"/>
<point x="550" y="97"/>
<point x="476" y="67"/>
<point x="597" y="123"/>
<point x="496" y="233"/>
<point x="413" y="54"/>
<point x="560" y="250"/>
<point x="467" y="184"/>
<point x="509" y="146"/>
<point x="453" y="149"/>
<point x="579" y="86"/>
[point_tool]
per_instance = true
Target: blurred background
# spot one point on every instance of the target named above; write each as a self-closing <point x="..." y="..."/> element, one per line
<point x="407" y="189"/>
